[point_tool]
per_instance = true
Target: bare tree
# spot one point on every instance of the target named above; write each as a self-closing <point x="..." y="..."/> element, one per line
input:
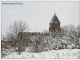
<point x="14" y="29"/>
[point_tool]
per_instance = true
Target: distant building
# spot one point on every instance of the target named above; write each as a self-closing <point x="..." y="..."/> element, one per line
<point x="54" y="24"/>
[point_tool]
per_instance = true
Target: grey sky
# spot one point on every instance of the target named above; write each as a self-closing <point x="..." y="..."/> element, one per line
<point x="38" y="14"/>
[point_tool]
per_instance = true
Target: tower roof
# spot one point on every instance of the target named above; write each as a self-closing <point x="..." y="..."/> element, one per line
<point x="54" y="19"/>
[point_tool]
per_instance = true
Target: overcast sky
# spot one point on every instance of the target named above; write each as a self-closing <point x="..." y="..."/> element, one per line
<point x="38" y="14"/>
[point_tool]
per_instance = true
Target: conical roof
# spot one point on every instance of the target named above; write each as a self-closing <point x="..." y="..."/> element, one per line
<point x="54" y="19"/>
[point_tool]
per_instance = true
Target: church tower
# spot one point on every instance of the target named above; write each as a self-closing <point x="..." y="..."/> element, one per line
<point x="54" y="24"/>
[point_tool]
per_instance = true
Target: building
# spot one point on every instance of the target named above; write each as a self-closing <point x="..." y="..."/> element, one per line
<point x="54" y="24"/>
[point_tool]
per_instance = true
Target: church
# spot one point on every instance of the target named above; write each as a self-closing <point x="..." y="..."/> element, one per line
<point x="54" y="23"/>
<point x="53" y="26"/>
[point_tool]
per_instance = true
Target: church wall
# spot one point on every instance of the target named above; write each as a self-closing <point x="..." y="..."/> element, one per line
<point x="53" y="25"/>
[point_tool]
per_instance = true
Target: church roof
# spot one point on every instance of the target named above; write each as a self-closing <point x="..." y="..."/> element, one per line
<point x="54" y="19"/>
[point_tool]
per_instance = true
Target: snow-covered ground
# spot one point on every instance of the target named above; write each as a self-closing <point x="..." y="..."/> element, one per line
<point x="56" y="54"/>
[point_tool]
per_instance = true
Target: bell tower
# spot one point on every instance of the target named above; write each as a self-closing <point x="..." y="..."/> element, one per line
<point x="54" y="23"/>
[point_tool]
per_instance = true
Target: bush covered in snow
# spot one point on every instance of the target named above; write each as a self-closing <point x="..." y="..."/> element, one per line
<point x="67" y="38"/>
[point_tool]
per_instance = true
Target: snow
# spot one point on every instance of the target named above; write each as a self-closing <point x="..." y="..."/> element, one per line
<point x="56" y="54"/>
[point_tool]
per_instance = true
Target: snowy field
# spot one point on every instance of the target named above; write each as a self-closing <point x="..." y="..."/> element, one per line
<point x="56" y="54"/>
